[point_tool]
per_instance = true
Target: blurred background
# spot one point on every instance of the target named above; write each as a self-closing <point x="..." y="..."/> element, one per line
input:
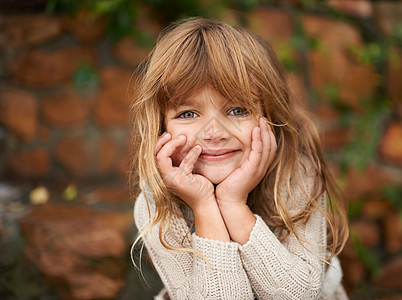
<point x="66" y="222"/>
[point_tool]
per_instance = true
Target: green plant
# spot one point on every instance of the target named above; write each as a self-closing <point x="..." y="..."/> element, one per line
<point x="393" y="193"/>
<point x="85" y="77"/>
<point x="366" y="255"/>
<point x="368" y="126"/>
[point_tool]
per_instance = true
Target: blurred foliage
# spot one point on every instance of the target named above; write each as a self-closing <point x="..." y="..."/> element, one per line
<point x="369" y="258"/>
<point x="85" y="77"/>
<point x="121" y="15"/>
<point x="393" y="194"/>
<point x="371" y="53"/>
<point x="368" y="128"/>
<point x="355" y="209"/>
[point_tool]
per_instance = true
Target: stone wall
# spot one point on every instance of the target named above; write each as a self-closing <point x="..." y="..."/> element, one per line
<point x="64" y="102"/>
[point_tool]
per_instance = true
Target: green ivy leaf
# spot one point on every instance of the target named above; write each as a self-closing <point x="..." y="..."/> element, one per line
<point x="368" y="129"/>
<point x="85" y="77"/>
<point x="368" y="257"/>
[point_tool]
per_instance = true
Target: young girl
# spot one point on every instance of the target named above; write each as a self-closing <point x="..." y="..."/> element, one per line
<point x="236" y="202"/>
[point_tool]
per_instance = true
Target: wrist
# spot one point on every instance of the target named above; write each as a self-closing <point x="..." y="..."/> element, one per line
<point x="208" y="221"/>
<point x="204" y="206"/>
<point x="239" y="220"/>
<point x="231" y="203"/>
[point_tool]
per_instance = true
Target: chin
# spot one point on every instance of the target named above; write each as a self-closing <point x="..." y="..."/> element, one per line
<point x="215" y="177"/>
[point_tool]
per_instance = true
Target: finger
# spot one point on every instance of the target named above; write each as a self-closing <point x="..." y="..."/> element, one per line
<point x="256" y="147"/>
<point x="187" y="164"/>
<point x="164" y="155"/>
<point x="267" y="143"/>
<point x="273" y="147"/>
<point x="162" y="140"/>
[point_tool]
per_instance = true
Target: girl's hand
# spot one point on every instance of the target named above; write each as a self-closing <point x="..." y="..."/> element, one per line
<point x="193" y="189"/>
<point x="236" y="187"/>
<point x="232" y="193"/>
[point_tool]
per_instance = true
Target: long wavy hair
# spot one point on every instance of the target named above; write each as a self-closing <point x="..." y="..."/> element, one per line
<point x="194" y="53"/>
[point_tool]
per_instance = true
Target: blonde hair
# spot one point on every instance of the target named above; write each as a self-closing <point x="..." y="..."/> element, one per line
<point x="195" y="53"/>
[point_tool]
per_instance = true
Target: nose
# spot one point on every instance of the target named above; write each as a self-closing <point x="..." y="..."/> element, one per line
<point x="215" y="131"/>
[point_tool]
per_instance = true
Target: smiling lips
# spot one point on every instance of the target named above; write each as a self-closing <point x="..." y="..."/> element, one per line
<point x="217" y="155"/>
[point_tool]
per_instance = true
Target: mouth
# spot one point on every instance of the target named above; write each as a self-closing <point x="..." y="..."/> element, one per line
<point x="217" y="155"/>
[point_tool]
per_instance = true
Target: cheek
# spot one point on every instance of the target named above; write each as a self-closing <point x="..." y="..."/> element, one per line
<point x="246" y="136"/>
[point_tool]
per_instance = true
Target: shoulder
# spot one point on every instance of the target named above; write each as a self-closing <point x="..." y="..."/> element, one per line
<point x="308" y="174"/>
<point x="307" y="166"/>
<point x="144" y="207"/>
<point x="305" y="186"/>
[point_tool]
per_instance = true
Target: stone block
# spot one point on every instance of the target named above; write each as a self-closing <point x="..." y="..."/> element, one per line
<point x="376" y="208"/>
<point x="107" y="155"/>
<point x="387" y="15"/>
<point x="325" y="112"/>
<point x="273" y="25"/>
<point x="125" y="161"/>
<point x="110" y="195"/>
<point x="18" y="113"/>
<point x="95" y="286"/>
<point x="335" y="138"/>
<point x="332" y="134"/>
<point x="147" y="22"/>
<point x="73" y="154"/>
<point x="85" y="25"/>
<point x="331" y="63"/>
<point x="28" y="29"/>
<point x="31" y="164"/>
<point x="391" y="274"/>
<point x="391" y="144"/>
<point x="42" y="69"/>
<point x="353" y="268"/>
<point x="66" y="109"/>
<point x="393" y="77"/>
<point x="297" y="88"/>
<point x="112" y="107"/>
<point x="368" y="182"/>
<point x="128" y="51"/>
<point x="81" y="252"/>
<point x="44" y="134"/>
<point x="367" y="232"/>
<point x="361" y="8"/>
<point x="393" y="232"/>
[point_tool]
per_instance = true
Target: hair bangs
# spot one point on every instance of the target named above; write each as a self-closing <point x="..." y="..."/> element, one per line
<point x="202" y="58"/>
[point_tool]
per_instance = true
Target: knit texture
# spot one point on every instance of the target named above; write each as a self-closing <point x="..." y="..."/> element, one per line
<point x="263" y="268"/>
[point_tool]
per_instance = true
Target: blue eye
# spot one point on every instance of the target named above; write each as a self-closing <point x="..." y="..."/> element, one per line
<point x="187" y="115"/>
<point x="238" y="111"/>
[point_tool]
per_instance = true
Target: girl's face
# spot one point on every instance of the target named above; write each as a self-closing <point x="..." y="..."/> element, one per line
<point x="222" y="129"/>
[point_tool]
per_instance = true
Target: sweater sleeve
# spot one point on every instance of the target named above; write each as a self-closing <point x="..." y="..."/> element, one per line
<point x="187" y="275"/>
<point x="291" y="269"/>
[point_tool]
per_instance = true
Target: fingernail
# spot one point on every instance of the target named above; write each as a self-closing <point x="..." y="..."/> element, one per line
<point x="181" y="137"/>
<point x="198" y="147"/>
<point x="166" y="135"/>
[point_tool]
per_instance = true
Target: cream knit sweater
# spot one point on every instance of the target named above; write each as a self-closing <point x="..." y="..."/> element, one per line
<point x="263" y="268"/>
